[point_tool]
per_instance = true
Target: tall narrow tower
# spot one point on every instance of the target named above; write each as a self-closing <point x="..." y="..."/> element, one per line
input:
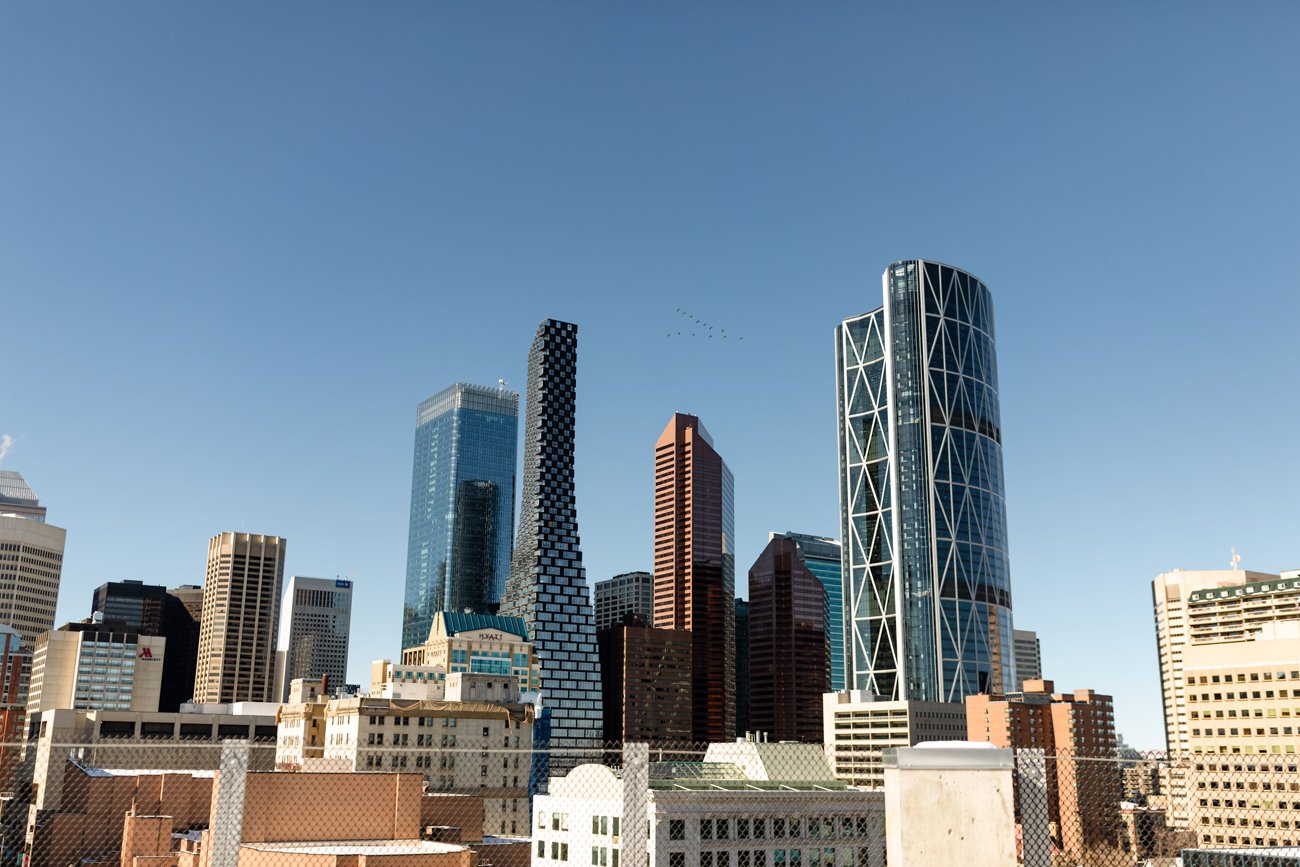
<point x="695" y="567"/>
<point x="547" y="587"/>
<point x="237" y="632"/>
<point x="927" y="588"/>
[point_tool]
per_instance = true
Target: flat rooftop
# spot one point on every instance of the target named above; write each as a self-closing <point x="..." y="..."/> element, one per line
<point x="358" y="847"/>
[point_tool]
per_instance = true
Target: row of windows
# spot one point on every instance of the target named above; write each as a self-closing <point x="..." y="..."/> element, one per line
<point x="1240" y="696"/>
<point x="1254" y="805"/>
<point x="1273" y="730"/>
<point x="758" y="828"/>
<point x="1241" y="678"/>
<point x="793" y="857"/>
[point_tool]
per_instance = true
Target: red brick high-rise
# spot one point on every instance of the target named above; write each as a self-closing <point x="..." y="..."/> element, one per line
<point x="695" y="569"/>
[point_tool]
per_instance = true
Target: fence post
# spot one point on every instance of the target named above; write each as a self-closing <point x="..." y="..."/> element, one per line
<point x="636" y="812"/>
<point x="1031" y="786"/>
<point x="227" y="823"/>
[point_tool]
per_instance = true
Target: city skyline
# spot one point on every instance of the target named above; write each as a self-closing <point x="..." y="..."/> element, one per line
<point x="761" y="197"/>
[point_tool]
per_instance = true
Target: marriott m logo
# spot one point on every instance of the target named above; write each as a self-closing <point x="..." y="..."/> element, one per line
<point x="146" y="653"/>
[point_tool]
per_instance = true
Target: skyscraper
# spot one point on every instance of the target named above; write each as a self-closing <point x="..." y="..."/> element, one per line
<point x="695" y="568"/>
<point x="462" y="504"/>
<point x="241" y="598"/>
<point x="31" y="560"/>
<point x="547" y="586"/>
<point x="926" y="581"/>
<point x="151" y="610"/>
<point x="822" y="557"/>
<point x="315" y="621"/>
<point x="789" y="654"/>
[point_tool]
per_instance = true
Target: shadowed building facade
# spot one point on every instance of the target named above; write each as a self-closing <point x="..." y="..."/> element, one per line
<point x="822" y="557"/>
<point x="742" y="666"/>
<point x="647" y="682"/>
<point x="789" y="654"/>
<point x="462" y="504"/>
<point x="547" y="587"/>
<point x="695" y="569"/>
<point x="927" y="588"/>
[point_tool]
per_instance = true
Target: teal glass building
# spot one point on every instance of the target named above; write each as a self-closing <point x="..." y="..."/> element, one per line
<point x="462" y="505"/>
<point x="927" y="589"/>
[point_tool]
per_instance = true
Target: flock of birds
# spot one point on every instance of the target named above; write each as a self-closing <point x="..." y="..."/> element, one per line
<point x="705" y="330"/>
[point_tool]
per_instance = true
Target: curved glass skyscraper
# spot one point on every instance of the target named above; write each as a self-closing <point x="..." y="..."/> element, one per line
<point x="927" y="589"/>
<point x="462" y="505"/>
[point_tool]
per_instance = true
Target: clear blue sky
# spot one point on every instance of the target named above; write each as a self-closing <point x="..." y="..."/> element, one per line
<point x="238" y="244"/>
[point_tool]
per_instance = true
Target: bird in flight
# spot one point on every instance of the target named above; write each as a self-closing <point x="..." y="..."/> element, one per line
<point x="703" y="329"/>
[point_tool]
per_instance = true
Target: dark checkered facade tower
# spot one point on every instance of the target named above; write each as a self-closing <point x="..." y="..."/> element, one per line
<point x="547" y="585"/>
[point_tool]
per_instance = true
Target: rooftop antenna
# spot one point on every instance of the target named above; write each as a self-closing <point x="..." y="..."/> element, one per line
<point x="501" y="385"/>
<point x="1236" y="560"/>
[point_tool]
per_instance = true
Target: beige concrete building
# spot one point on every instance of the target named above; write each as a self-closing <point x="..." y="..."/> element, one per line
<point x="1241" y="680"/>
<point x="391" y="680"/>
<point x="475" y="739"/>
<point x="237" y="631"/>
<point x="480" y="644"/>
<point x="1169" y="593"/>
<point x="31" y="560"/>
<point x="85" y="666"/>
<point x="857" y="727"/>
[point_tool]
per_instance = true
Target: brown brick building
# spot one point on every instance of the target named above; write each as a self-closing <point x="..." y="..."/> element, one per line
<point x="646" y="681"/>
<point x="1071" y="728"/>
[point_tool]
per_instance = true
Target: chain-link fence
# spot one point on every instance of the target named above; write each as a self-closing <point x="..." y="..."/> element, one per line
<point x="1157" y="809"/>
<point x="223" y="800"/>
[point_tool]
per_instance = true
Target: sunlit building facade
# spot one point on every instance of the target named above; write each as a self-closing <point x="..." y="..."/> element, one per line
<point x="695" y="567"/>
<point x="462" y="504"/>
<point x="926" y="577"/>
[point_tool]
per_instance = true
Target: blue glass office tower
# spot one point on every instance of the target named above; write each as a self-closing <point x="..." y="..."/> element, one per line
<point x="927" y="590"/>
<point x="822" y="557"/>
<point x="462" y="505"/>
<point x="548" y="586"/>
